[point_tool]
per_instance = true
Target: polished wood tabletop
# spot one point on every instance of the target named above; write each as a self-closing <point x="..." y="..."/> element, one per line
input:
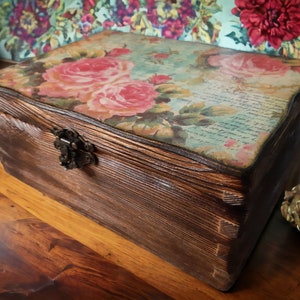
<point x="48" y="251"/>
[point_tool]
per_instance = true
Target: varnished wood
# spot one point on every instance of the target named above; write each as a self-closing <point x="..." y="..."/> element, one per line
<point x="197" y="216"/>
<point x="92" y="260"/>
<point x="109" y="245"/>
<point x="167" y="203"/>
<point x="39" y="262"/>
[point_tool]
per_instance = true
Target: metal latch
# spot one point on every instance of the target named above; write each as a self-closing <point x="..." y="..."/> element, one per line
<point x="75" y="151"/>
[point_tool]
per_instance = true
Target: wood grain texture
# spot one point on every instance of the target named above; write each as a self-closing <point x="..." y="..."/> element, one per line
<point x="165" y="202"/>
<point x="198" y="216"/>
<point x="108" y="244"/>
<point x="34" y="253"/>
<point x="38" y="262"/>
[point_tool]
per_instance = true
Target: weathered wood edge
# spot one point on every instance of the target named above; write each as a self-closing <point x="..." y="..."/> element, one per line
<point x="285" y="131"/>
<point x="221" y="167"/>
<point x="34" y="115"/>
<point x="163" y="146"/>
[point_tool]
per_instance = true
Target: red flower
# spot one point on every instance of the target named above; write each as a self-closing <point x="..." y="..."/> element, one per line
<point x="161" y="55"/>
<point x="231" y="143"/>
<point x="29" y="22"/>
<point x="46" y="48"/>
<point x="273" y="21"/>
<point x="88" y="18"/>
<point x="172" y="28"/>
<point x="152" y="12"/>
<point x="118" y="52"/>
<point x="87" y="5"/>
<point x="108" y="24"/>
<point x="159" y="79"/>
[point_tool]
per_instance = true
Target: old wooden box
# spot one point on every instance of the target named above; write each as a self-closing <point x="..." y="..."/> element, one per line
<point x="182" y="148"/>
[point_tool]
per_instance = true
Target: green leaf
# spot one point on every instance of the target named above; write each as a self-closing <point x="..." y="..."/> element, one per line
<point x="159" y="108"/>
<point x="115" y="120"/>
<point x="67" y="104"/>
<point x="187" y="119"/>
<point x="162" y="98"/>
<point x="193" y="108"/>
<point x="244" y="39"/>
<point x="218" y="110"/>
<point x="172" y="135"/>
<point x="180" y="136"/>
<point x="234" y="37"/>
<point x="206" y="122"/>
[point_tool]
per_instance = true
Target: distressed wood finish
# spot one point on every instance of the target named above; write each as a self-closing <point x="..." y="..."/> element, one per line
<point x="34" y="253"/>
<point x="198" y="215"/>
<point x="156" y="199"/>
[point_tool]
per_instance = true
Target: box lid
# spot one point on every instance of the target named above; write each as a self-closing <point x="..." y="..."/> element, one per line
<point x="221" y="104"/>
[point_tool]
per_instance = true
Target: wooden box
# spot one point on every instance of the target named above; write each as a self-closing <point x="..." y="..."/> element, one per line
<point x="180" y="147"/>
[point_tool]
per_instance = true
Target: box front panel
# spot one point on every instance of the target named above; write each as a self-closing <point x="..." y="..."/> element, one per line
<point x="164" y="202"/>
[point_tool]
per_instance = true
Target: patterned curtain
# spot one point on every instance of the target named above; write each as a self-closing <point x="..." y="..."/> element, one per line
<point x="29" y="28"/>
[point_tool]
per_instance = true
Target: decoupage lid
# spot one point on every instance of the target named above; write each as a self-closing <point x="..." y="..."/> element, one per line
<point x="219" y="103"/>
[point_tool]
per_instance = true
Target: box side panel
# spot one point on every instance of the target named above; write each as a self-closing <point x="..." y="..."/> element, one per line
<point x="277" y="168"/>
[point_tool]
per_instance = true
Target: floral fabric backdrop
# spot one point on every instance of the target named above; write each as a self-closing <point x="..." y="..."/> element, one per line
<point x="227" y="107"/>
<point x="31" y="27"/>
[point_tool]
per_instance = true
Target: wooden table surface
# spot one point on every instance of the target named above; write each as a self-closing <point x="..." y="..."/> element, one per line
<point x="47" y="251"/>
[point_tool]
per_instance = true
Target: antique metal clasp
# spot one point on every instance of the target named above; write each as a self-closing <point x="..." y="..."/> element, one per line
<point x="290" y="207"/>
<point x="75" y="151"/>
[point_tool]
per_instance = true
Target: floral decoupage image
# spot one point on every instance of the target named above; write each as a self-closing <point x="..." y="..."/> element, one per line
<point x="218" y="102"/>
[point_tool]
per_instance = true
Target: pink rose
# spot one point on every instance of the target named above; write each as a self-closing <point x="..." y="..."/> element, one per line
<point x="80" y="78"/>
<point x="122" y="99"/>
<point x="248" y="65"/>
